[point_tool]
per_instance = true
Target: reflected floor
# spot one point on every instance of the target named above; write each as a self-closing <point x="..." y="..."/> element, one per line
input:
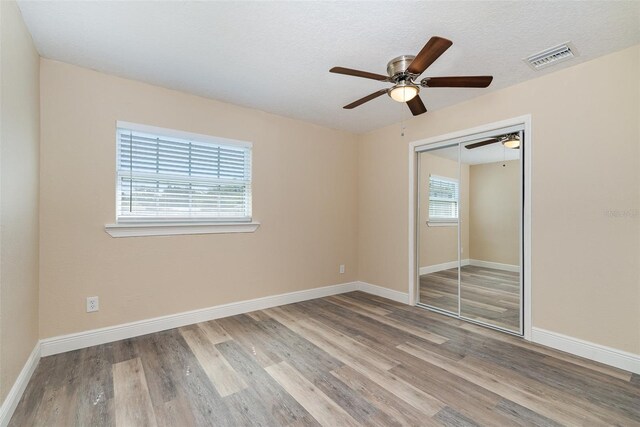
<point x="488" y="295"/>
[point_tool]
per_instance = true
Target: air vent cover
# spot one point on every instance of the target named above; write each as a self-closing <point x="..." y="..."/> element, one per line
<point x="551" y="56"/>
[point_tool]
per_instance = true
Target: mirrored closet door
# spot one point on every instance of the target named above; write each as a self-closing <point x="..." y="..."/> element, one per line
<point x="469" y="230"/>
<point x="438" y="234"/>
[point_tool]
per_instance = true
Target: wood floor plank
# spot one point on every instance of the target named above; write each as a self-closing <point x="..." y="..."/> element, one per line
<point x="132" y="401"/>
<point x="606" y="397"/>
<point x="438" y="321"/>
<point x="124" y="350"/>
<point x="159" y="368"/>
<point x="567" y="408"/>
<point x="397" y="408"/>
<point x="62" y="392"/>
<point x="450" y="417"/>
<point x="484" y="378"/>
<point x="464" y="396"/>
<point x="323" y="409"/>
<point x="95" y="390"/>
<point x="221" y="374"/>
<point x="249" y="410"/>
<point x="487" y="295"/>
<point x="177" y="374"/>
<point x="176" y="412"/>
<point x="214" y="332"/>
<point x="350" y="359"/>
<point x="39" y="398"/>
<point x="400" y="388"/>
<point x="55" y="409"/>
<point x="556" y="354"/>
<point x="333" y="342"/>
<point x="242" y="330"/>
<point x="358" y="307"/>
<point x="419" y="332"/>
<point x="307" y="358"/>
<point x="375" y="301"/>
<point x="288" y="345"/>
<point x="523" y="416"/>
<point x="355" y="324"/>
<point x="258" y="316"/>
<point x="316" y="365"/>
<point x="268" y="393"/>
<point x="363" y="361"/>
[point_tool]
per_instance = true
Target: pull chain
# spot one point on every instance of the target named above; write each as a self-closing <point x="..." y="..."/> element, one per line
<point x="402" y="123"/>
<point x="504" y="156"/>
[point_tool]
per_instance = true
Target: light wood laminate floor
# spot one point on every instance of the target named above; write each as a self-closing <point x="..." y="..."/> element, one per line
<point x="488" y="295"/>
<point x="353" y="359"/>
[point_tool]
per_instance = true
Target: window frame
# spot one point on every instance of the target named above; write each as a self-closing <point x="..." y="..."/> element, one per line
<point x="142" y="226"/>
<point x="443" y="222"/>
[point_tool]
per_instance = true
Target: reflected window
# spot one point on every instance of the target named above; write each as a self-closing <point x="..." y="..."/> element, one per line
<point x="443" y="199"/>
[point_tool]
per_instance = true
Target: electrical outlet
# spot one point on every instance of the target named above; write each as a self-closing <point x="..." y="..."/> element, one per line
<point x="341" y="268"/>
<point x="93" y="304"/>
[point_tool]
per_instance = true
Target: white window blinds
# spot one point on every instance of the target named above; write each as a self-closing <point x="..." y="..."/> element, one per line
<point x="443" y="199"/>
<point x="165" y="178"/>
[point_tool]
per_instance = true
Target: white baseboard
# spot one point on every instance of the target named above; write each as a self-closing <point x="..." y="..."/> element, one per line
<point x="607" y="355"/>
<point x="496" y="265"/>
<point x="476" y="262"/>
<point x="401" y="297"/>
<point x="64" y="343"/>
<point x="15" y="394"/>
<point x="440" y="267"/>
<point x="600" y="353"/>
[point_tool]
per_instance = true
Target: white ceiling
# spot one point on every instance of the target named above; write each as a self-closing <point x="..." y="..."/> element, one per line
<point x="275" y="56"/>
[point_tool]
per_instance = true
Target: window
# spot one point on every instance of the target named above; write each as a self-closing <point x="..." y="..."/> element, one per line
<point x="168" y="176"/>
<point x="443" y="199"/>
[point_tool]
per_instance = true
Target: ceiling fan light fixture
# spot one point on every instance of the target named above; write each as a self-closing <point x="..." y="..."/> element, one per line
<point x="403" y="92"/>
<point x="512" y="141"/>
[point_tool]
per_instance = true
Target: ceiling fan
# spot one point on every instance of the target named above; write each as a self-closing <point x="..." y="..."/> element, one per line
<point x="511" y="140"/>
<point x="404" y="71"/>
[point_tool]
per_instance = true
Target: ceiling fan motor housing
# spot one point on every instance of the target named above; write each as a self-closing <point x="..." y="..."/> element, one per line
<point x="398" y="66"/>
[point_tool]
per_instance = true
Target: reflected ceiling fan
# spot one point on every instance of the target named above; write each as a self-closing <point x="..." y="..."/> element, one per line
<point x="510" y="140"/>
<point x="404" y="71"/>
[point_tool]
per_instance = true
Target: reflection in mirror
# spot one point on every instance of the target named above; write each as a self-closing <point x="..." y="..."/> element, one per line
<point x="439" y="211"/>
<point x="490" y="273"/>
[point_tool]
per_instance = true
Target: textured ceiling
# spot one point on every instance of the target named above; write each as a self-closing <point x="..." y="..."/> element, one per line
<point x="275" y="56"/>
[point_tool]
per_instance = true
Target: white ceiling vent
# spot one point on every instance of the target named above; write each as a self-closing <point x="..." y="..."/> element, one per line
<point x="551" y="56"/>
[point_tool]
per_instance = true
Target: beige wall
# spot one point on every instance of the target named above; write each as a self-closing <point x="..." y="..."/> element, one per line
<point x="585" y="195"/>
<point x="304" y="194"/>
<point x="494" y="218"/>
<point x="19" y="140"/>
<point x="438" y="245"/>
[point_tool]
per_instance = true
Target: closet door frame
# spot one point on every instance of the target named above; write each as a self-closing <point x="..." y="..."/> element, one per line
<point x="504" y="126"/>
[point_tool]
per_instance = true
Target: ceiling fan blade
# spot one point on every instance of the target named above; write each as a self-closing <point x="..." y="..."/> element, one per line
<point x="358" y="73"/>
<point x="367" y="98"/>
<point x="431" y="51"/>
<point x="481" y="143"/>
<point x="416" y="106"/>
<point x="462" y="81"/>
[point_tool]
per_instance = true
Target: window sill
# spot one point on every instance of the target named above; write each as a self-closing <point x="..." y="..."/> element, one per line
<point x="151" y="229"/>
<point x="441" y="224"/>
